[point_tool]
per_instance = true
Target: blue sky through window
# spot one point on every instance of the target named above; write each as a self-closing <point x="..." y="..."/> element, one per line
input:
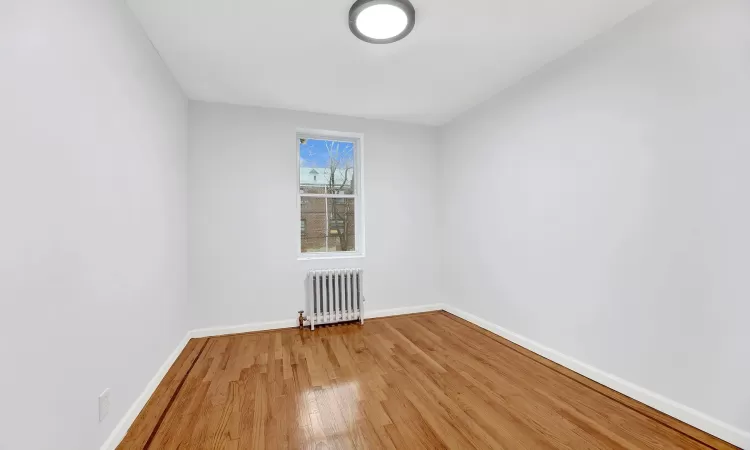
<point x="317" y="153"/>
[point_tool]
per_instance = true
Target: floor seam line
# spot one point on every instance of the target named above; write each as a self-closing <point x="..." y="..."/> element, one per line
<point x="495" y="338"/>
<point x="174" y="396"/>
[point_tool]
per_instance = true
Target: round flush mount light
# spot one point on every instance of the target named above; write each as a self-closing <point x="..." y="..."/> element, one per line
<point x="381" y="21"/>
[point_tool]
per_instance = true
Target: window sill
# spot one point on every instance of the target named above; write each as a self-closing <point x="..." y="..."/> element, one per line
<point x="317" y="256"/>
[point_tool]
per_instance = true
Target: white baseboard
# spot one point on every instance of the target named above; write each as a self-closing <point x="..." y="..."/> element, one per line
<point x="402" y="311"/>
<point x="290" y="323"/>
<point x="124" y="424"/>
<point x="677" y="410"/>
<point x="245" y="328"/>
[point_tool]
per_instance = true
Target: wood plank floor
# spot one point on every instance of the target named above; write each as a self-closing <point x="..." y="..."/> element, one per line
<point x="423" y="381"/>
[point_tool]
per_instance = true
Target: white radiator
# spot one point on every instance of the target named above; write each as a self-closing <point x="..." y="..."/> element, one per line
<point x="335" y="296"/>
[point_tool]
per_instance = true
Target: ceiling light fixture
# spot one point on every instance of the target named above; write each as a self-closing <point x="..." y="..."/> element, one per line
<point x="381" y="21"/>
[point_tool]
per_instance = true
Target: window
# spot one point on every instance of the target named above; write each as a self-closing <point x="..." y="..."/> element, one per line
<point x="330" y="188"/>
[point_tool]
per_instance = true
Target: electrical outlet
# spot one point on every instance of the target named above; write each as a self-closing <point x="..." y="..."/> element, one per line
<point x="103" y="404"/>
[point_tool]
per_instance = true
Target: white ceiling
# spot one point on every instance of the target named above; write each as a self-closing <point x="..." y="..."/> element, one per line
<point x="300" y="54"/>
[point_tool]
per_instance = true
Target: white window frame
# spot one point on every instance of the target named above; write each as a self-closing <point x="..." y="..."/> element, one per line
<point x="359" y="196"/>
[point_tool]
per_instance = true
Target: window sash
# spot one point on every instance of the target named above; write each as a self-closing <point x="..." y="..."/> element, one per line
<point x="329" y="196"/>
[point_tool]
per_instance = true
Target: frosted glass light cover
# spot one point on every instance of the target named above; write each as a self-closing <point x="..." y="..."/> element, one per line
<point x="382" y="21"/>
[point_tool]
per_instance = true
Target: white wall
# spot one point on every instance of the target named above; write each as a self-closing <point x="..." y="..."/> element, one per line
<point x="92" y="232"/>
<point x="599" y="208"/>
<point x="609" y="199"/>
<point x="244" y="220"/>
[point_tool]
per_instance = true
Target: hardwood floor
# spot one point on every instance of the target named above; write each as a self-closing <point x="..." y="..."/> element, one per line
<point x="423" y="381"/>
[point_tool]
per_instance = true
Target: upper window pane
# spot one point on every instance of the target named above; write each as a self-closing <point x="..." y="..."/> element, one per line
<point x="326" y="166"/>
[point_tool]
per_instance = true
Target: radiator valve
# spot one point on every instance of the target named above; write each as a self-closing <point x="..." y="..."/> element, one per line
<point x="301" y="320"/>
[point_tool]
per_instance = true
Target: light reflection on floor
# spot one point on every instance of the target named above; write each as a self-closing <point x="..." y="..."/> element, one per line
<point x="340" y="399"/>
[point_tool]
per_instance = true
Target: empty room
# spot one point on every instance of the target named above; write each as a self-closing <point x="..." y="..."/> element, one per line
<point x="374" y="224"/>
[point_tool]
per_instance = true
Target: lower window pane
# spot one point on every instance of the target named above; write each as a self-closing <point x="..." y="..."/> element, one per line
<point x="327" y="224"/>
